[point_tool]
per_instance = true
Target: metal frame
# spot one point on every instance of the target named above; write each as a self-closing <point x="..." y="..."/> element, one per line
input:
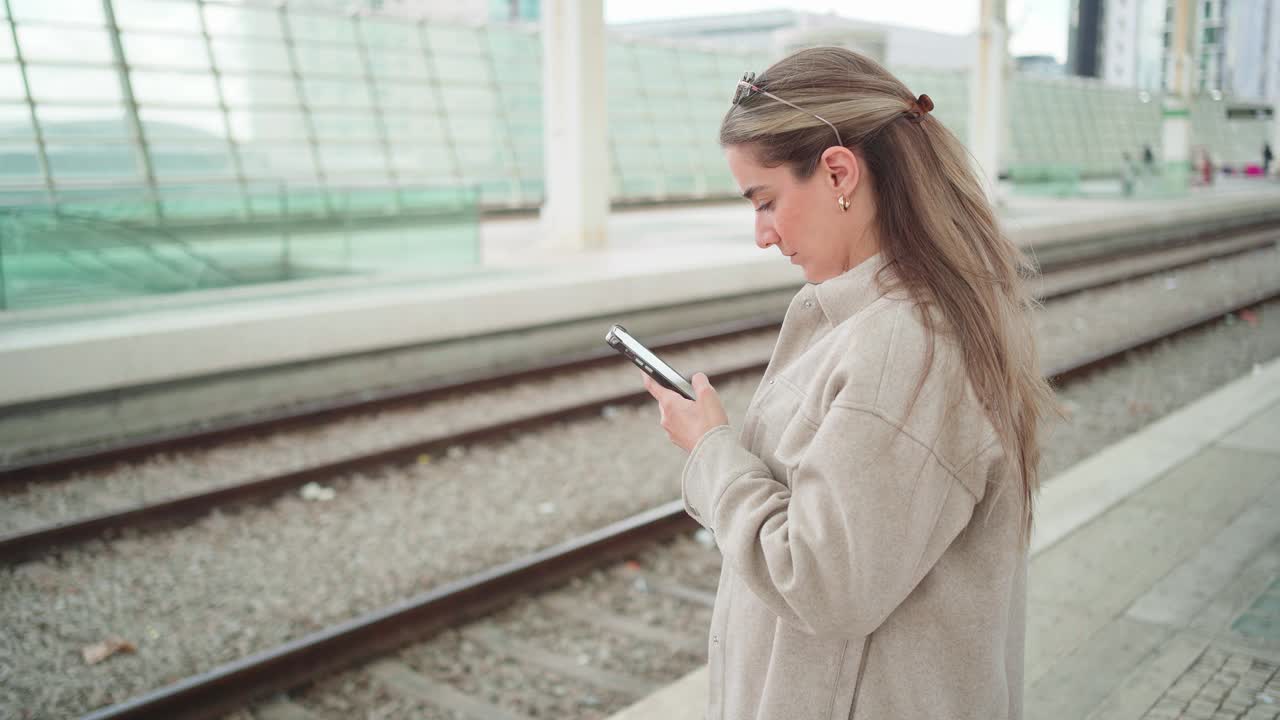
<point x="42" y="151"/>
<point x="233" y="146"/>
<point x="433" y="73"/>
<point x="304" y="107"/>
<point x="513" y="175"/>
<point x="142" y="152"/>
<point x="371" y="84"/>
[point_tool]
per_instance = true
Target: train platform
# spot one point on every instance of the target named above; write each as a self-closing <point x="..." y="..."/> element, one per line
<point x="131" y="367"/>
<point x="1154" y="584"/>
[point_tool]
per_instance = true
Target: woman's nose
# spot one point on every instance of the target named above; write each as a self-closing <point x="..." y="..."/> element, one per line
<point x="765" y="236"/>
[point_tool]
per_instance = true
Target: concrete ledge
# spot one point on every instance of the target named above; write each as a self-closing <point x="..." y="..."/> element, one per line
<point x="41" y="363"/>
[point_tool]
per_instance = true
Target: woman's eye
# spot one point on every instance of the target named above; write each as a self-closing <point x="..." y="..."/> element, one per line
<point x="766" y="206"/>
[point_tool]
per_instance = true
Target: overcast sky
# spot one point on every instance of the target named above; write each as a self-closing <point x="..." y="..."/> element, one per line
<point x="1037" y="26"/>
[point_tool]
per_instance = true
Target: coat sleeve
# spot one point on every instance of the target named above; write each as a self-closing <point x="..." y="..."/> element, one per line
<point x="869" y="511"/>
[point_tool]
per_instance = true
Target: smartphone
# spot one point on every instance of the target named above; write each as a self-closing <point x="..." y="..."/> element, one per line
<point x="619" y="339"/>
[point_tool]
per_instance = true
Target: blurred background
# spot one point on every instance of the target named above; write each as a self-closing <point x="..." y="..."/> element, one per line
<point x="304" y="400"/>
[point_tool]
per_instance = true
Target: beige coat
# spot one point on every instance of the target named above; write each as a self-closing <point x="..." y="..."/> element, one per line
<point x="871" y="569"/>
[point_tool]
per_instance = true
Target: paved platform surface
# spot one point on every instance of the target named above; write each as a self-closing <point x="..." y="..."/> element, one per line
<point x="1154" y="586"/>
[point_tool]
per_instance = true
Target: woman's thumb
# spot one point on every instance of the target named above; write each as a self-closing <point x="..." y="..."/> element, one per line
<point x="700" y="384"/>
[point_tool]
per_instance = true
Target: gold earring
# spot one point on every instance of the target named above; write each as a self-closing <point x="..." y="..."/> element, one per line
<point x="844" y="204"/>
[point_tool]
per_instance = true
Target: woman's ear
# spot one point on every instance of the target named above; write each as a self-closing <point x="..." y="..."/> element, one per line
<point x="842" y="169"/>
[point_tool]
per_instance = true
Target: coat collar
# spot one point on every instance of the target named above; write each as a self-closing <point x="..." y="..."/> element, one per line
<point x="844" y="295"/>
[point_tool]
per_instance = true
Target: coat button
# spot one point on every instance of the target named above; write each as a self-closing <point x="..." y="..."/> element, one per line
<point x="771" y="381"/>
<point x="808" y="303"/>
<point x="715" y="640"/>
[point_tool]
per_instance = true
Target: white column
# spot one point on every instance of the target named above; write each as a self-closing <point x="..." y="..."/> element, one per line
<point x="574" y="123"/>
<point x="987" y="90"/>
<point x="1175" y="133"/>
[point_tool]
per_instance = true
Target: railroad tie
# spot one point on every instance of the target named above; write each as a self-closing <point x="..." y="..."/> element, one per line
<point x="281" y="708"/>
<point x="406" y="681"/>
<point x="504" y="644"/>
<point x="631" y="627"/>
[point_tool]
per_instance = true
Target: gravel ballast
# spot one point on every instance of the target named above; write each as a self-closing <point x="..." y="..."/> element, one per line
<point x="190" y="598"/>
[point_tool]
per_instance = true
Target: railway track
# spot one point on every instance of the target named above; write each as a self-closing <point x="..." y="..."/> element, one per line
<point x="471" y="612"/>
<point x="232" y="686"/>
<point x="33" y="541"/>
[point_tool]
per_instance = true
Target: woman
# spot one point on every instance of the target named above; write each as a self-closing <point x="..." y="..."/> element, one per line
<point x="874" y="511"/>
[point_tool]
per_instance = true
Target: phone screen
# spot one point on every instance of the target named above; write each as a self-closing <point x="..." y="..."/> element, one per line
<point x="645" y="359"/>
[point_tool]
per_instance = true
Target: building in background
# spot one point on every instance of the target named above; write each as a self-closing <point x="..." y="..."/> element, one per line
<point x="1084" y="41"/>
<point x="1249" y="62"/>
<point x="779" y="32"/>
<point x="1235" y="45"/>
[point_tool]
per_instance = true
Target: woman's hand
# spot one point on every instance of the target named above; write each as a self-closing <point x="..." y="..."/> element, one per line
<point x="684" y="420"/>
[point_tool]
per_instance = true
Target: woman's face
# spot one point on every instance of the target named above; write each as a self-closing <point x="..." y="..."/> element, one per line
<point x="801" y="217"/>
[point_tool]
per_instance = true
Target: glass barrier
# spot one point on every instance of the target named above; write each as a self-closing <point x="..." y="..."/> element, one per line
<point x="206" y="109"/>
<point x="101" y="245"/>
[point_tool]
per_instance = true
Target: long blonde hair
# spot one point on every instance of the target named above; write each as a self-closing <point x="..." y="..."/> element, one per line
<point x="937" y="229"/>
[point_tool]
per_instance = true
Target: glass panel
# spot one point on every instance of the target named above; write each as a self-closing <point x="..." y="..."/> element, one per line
<point x="399" y="66"/>
<point x="176" y="51"/>
<point x="476" y="132"/>
<point x="253" y="56"/>
<point x="249" y="125"/>
<point x="325" y="28"/>
<point x="19" y="162"/>
<point x="329" y="59"/>
<point x="11" y="82"/>
<point x="421" y="126"/>
<point x="97" y="159"/>
<point x="405" y="96"/>
<point x="345" y="126"/>
<point x="468" y="100"/>
<point x="422" y="161"/>
<point x="278" y="160"/>
<point x="83" y="122"/>
<point x="243" y="22"/>
<point x="6" y="40"/>
<point x="211" y="201"/>
<point x="190" y="160"/>
<point x="166" y="88"/>
<point x="394" y="36"/>
<point x="153" y="15"/>
<point x="336" y="93"/>
<point x="194" y="125"/>
<point x="260" y="90"/>
<point x="69" y="11"/>
<point x="59" y="43"/>
<point x="49" y="83"/>
<point x="352" y="157"/>
<point x="15" y="122"/>
<point x="452" y="41"/>
<point x="463" y="70"/>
